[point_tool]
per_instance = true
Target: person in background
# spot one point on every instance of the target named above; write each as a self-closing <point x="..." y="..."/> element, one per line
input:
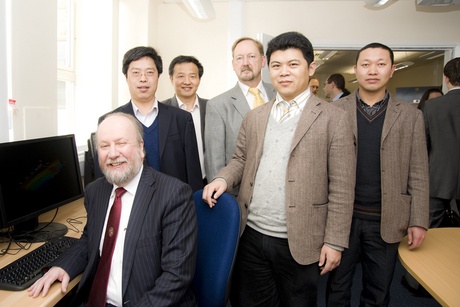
<point x="225" y="112"/>
<point x="185" y="73"/>
<point x="391" y="192"/>
<point x="169" y="133"/>
<point x="334" y="87"/>
<point x="294" y="160"/>
<point x="145" y="269"/>
<point x="442" y="123"/>
<point x="314" y="86"/>
<point x="429" y="94"/>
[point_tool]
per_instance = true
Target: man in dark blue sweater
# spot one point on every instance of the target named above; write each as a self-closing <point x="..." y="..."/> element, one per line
<point x="169" y="133"/>
<point x="391" y="193"/>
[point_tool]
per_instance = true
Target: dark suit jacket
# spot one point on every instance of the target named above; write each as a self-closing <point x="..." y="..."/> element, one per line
<point x="442" y="124"/>
<point x="178" y="149"/>
<point x="160" y="245"/>
<point x="404" y="167"/>
<point x="202" y="102"/>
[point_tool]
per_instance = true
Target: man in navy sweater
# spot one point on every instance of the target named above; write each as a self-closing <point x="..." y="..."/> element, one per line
<point x="169" y="133"/>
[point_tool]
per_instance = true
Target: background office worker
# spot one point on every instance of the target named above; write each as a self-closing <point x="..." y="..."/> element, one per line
<point x="225" y="112"/>
<point x="334" y="87"/>
<point x="296" y="194"/>
<point x="169" y="133"/>
<point x="185" y="73"/>
<point x="391" y="193"/>
<point x="314" y="86"/>
<point x="153" y="261"/>
<point x="442" y="124"/>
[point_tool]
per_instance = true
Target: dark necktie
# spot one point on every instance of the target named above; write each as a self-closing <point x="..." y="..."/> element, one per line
<point x="97" y="297"/>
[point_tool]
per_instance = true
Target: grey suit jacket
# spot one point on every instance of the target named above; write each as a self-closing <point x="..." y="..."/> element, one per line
<point x="202" y="102"/>
<point x="404" y="166"/>
<point x="319" y="181"/>
<point x="224" y="116"/>
<point x="160" y="245"/>
<point x="442" y="124"/>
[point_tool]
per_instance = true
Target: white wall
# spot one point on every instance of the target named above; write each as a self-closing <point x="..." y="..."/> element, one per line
<point x="4" y="124"/>
<point x="34" y="68"/>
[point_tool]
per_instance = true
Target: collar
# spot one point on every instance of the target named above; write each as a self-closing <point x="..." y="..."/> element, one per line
<point x="183" y="106"/>
<point x="363" y="104"/>
<point x="245" y="89"/>
<point x="138" y="112"/>
<point x="300" y="100"/>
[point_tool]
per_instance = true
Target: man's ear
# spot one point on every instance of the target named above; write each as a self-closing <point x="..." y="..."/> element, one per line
<point x="312" y="68"/>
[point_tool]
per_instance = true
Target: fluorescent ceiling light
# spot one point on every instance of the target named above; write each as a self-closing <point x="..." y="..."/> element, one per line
<point x="437" y="2"/>
<point x="326" y="55"/>
<point x="435" y="56"/>
<point x="376" y="2"/>
<point x="201" y="9"/>
<point x="403" y="65"/>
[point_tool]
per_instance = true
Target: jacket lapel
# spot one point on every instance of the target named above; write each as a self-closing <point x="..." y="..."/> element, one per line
<point x="307" y="118"/>
<point x="239" y="101"/>
<point x="390" y="117"/>
<point x="164" y="121"/>
<point x="142" y="201"/>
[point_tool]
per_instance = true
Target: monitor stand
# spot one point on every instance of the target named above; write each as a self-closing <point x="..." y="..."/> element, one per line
<point x="32" y="231"/>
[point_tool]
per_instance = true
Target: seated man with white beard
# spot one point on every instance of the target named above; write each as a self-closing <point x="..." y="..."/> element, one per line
<point x="142" y="249"/>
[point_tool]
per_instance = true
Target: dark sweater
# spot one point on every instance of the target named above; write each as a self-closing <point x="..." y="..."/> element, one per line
<point x="368" y="182"/>
<point x="151" y="144"/>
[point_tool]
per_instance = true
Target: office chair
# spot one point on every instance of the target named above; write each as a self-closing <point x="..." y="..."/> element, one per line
<point x="92" y="169"/>
<point x="218" y="235"/>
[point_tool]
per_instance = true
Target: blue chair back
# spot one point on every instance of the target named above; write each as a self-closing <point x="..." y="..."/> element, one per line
<point x="218" y="235"/>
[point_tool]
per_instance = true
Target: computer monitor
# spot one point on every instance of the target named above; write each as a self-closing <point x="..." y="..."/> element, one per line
<point x="37" y="176"/>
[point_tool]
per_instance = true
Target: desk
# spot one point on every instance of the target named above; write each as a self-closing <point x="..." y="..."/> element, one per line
<point x="436" y="265"/>
<point x="21" y="298"/>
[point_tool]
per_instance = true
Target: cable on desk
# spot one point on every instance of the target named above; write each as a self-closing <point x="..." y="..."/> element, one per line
<point x="21" y="246"/>
<point x="72" y="221"/>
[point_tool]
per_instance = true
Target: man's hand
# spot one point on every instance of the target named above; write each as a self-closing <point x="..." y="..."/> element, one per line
<point x="329" y="259"/>
<point x="44" y="283"/>
<point x="415" y="236"/>
<point x="213" y="191"/>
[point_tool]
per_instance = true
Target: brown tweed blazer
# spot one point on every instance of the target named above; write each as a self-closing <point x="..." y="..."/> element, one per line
<point x="320" y="177"/>
<point x="404" y="167"/>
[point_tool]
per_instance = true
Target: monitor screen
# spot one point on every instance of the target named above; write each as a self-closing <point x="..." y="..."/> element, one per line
<point x="37" y="176"/>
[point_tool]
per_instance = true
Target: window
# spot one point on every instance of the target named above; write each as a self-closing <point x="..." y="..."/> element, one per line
<point x="66" y="66"/>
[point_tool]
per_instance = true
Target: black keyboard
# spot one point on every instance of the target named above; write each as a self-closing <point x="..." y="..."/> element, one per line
<point x="23" y="272"/>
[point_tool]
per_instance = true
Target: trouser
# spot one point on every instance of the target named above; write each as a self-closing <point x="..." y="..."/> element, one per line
<point x="378" y="260"/>
<point x="266" y="274"/>
<point x="438" y="208"/>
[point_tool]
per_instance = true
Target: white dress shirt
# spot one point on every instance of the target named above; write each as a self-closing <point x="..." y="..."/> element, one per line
<point x="114" y="295"/>
<point x="197" y="123"/>
<point x="147" y="119"/>
<point x="279" y="109"/>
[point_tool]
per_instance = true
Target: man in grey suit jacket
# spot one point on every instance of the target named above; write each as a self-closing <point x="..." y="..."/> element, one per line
<point x="294" y="161"/>
<point x="153" y="262"/>
<point x="442" y="126"/>
<point x="185" y="73"/>
<point x="391" y="193"/>
<point x="225" y="112"/>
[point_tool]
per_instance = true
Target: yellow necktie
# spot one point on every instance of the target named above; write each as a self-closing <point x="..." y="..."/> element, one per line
<point x="258" y="100"/>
